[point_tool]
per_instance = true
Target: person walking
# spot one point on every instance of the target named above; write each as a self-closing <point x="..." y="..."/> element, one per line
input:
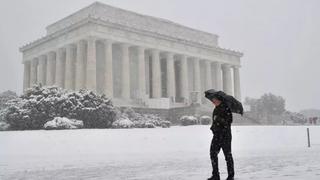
<point x="221" y="129"/>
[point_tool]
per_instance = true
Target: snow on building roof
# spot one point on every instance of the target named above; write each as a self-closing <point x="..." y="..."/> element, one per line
<point x="137" y="21"/>
<point x="116" y="16"/>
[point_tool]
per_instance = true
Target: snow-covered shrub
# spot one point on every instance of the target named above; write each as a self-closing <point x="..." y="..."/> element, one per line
<point x="122" y="122"/>
<point x="154" y="119"/>
<point x="41" y="104"/>
<point x="23" y="114"/>
<point x="96" y="111"/>
<point x="130" y="113"/>
<point x="3" y="113"/>
<point x="205" y="120"/>
<point x="4" y="126"/>
<point x="5" y="97"/>
<point x="143" y="124"/>
<point x="63" y="123"/>
<point x="142" y="120"/>
<point x="139" y="124"/>
<point x="165" y="124"/>
<point x="149" y="125"/>
<point x="147" y="121"/>
<point x="188" y="120"/>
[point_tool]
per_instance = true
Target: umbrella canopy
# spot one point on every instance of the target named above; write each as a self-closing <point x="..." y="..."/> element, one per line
<point x="231" y="102"/>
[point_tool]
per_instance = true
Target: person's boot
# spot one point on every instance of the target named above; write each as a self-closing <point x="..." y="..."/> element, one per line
<point x="214" y="178"/>
<point x="230" y="178"/>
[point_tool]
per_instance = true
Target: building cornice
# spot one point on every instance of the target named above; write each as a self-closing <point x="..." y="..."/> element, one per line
<point x="89" y="20"/>
<point x="135" y="20"/>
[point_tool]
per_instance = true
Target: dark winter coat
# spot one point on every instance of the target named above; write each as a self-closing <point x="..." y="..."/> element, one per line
<point x="221" y="119"/>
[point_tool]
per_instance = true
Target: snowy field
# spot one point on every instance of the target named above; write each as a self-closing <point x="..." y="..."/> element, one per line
<point x="177" y="153"/>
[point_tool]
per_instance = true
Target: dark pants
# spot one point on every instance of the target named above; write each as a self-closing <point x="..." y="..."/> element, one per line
<point x="221" y="140"/>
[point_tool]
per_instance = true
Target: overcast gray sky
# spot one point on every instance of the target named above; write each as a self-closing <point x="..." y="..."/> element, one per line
<point x="279" y="38"/>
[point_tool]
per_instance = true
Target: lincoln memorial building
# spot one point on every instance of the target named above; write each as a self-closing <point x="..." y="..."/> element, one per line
<point x="134" y="59"/>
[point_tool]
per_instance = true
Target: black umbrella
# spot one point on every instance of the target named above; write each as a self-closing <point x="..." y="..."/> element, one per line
<point x="231" y="102"/>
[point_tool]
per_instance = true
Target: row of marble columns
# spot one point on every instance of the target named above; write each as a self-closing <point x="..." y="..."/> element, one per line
<point x="75" y="67"/>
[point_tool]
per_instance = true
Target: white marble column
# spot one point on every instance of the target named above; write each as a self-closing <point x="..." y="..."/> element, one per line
<point x="227" y="81"/>
<point x="108" y="73"/>
<point x="91" y="79"/>
<point x="26" y="74"/>
<point x="41" y="75"/>
<point x="148" y="74"/>
<point x="59" y="80"/>
<point x="171" y="80"/>
<point x="125" y="71"/>
<point x="208" y="75"/>
<point x="33" y="73"/>
<point x="50" y="68"/>
<point x="80" y="66"/>
<point x="142" y="73"/>
<point x="69" y="82"/>
<point x="156" y="74"/>
<point x="197" y="80"/>
<point x="236" y="78"/>
<point x="184" y="78"/>
<point x="217" y="76"/>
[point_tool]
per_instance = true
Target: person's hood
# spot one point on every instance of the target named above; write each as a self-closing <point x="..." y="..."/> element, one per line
<point x="211" y="94"/>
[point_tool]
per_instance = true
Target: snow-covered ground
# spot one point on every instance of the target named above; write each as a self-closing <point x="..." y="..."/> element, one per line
<point x="176" y="153"/>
